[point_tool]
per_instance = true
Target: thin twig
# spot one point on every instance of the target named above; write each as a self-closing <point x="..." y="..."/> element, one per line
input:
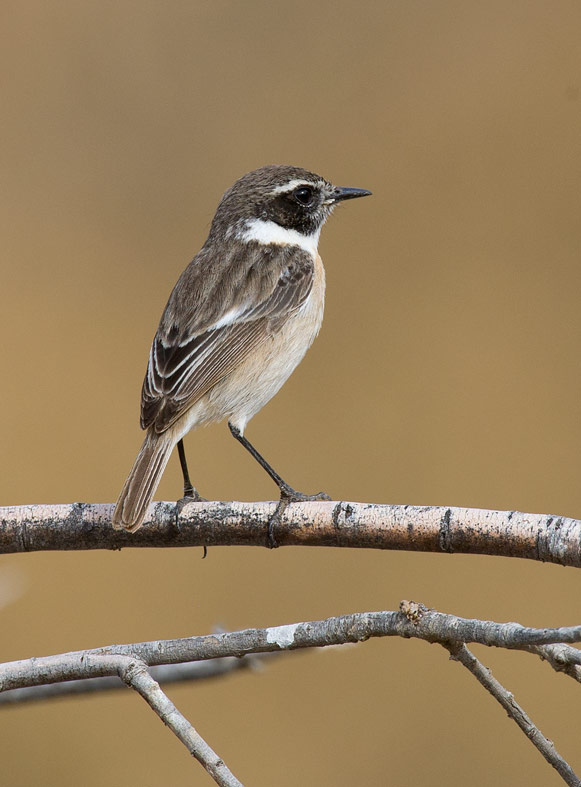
<point x="134" y="673"/>
<point x="137" y="676"/>
<point x="413" y="620"/>
<point x="165" y="674"/>
<point x="85" y="526"/>
<point x="459" y="652"/>
<point x="562" y="658"/>
<point x="428" y="625"/>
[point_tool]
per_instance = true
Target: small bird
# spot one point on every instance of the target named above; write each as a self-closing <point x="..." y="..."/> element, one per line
<point x="240" y="318"/>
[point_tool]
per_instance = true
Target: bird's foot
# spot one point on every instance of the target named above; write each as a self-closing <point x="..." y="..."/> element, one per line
<point x="191" y="495"/>
<point x="288" y="495"/>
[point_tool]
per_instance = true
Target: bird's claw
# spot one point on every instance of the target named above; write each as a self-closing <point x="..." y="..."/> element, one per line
<point x="288" y="495"/>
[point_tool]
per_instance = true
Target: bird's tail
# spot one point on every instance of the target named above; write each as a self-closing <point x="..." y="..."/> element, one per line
<point x="142" y="481"/>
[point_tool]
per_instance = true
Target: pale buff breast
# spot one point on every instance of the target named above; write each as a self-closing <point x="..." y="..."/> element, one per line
<point x="249" y="387"/>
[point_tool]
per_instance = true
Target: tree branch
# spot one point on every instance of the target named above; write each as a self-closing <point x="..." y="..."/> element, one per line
<point x="562" y="658"/>
<point x="459" y="652"/>
<point x="131" y="661"/>
<point x="135" y="674"/>
<point x="81" y="526"/>
<point x="165" y="674"/>
<point x="133" y="671"/>
<point x="414" y="620"/>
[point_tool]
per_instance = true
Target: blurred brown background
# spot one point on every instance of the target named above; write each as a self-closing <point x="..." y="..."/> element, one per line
<point x="447" y="371"/>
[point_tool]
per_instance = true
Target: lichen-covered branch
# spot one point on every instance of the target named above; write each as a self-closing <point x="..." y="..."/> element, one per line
<point x="136" y="675"/>
<point x="459" y="652"/>
<point x="411" y="620"/>
<point x="164" y="674"/>
<point x="562" y="658"/>
<point x="81" y="526"/>
<point x="134" y="672"/>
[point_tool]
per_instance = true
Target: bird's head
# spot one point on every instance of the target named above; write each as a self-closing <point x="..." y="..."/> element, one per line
<point x="290" y="198"/>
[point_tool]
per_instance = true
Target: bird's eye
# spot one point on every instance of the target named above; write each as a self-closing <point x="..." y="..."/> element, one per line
<point x="304" y="195"/>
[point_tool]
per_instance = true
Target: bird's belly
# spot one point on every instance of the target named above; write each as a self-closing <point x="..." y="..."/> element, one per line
<point x="251" y="385"/>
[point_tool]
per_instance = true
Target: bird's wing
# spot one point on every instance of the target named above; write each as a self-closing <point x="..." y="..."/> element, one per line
<point x="216" y="316"/>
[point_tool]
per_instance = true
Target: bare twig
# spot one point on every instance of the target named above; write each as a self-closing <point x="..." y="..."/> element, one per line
<point x="419" y="528"/>
<point x="413" y="620"/>
<point x="165" y="674"/>
<point x="135" y="674"/>
<point x="459" y="652"/>
<point x="432" y="626"/>
<point x="562" y="658"/>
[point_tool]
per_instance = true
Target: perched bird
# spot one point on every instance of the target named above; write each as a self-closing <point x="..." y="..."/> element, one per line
<point x="239" y="320"/>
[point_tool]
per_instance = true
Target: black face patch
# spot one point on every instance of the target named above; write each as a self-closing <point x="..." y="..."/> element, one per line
<point x="300" y="209"/>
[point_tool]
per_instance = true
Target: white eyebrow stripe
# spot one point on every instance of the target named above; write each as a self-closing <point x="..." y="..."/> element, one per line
<point x="269" y="232"/>
<point x="292" y="184"/>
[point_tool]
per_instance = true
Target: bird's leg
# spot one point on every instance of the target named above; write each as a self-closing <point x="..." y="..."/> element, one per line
<point x="191" y="494"/>
<point x="287" y="493"/>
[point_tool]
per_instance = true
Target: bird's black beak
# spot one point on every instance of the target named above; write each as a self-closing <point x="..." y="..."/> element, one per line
<point x="341" y="193"/>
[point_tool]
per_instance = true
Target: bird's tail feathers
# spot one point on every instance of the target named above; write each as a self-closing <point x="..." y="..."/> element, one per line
<point x="142" y="481"/>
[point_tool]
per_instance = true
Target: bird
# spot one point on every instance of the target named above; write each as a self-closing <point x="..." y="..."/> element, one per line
<point x="239" y="320"/>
